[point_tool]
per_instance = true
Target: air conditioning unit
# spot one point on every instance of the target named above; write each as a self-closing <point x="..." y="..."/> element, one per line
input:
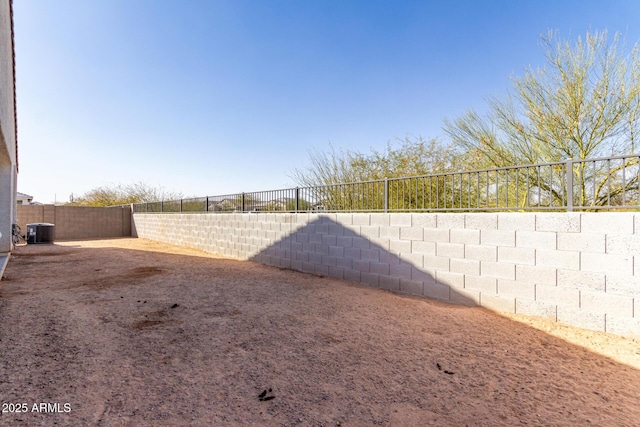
<point x="41" y="232"/>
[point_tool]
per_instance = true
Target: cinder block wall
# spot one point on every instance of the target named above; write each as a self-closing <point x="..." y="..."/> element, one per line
<point x="580" y="269"/>
<point x="78" y="222"/>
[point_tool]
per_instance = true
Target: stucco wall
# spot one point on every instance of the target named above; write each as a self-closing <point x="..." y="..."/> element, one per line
<point x="580" y="269"/>
<point x="7" y="111"/>
<point x="8" y="168"/>
<point x="78" y="222"/>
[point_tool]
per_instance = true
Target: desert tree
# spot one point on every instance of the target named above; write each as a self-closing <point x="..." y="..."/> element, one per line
<point x="354" y="180"/>
<point x="120" y="194"/>
<point x="584" y="103"/>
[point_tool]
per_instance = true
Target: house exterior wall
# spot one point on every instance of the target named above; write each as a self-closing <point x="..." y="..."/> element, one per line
<point x="580" y="269"/>
<point x="78" y="222"/>
<point x="8" y="168"/>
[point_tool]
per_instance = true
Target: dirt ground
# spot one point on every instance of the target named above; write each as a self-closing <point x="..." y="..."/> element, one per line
<point x="129" y="332"/>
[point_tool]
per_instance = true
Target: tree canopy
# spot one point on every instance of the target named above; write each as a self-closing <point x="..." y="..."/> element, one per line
<point x="404" y="157"/>
<point x="584" y="103"/>
<point x="138" y="192"/>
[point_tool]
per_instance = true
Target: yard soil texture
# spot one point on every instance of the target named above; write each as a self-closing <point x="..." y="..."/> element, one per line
<point x="130" y="332"/>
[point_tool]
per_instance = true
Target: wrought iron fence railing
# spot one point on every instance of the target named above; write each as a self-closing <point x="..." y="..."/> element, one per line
<point x="606" y="183"/>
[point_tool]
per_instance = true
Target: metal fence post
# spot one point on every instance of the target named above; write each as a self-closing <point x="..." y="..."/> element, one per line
<point x="569" y="173"/>
<point x="206" y="208"/>
<point x="297" y="198"/>
<point x="386" y="195"/>
<point x="180" y="205"/>
<point x="161" y="205"/>
<point x="242" y="202"/>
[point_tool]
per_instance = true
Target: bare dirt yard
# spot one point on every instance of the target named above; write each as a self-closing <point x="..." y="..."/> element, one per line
<point x="129" y="332"/>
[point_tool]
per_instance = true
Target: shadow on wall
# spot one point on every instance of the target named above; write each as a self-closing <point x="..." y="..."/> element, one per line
<point x="327" y="248"/>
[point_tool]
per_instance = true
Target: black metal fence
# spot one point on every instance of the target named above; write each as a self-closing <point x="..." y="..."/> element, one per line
<point x="607" y="183"/>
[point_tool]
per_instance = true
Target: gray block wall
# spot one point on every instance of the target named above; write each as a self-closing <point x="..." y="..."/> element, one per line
<point x="580" y="269"/>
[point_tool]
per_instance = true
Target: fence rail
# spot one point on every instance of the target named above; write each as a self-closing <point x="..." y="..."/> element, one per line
<point x="606" y="183"/>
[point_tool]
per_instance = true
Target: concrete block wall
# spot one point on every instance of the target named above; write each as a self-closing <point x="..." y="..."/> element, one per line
<point x="78" y="222"/>
<point x="580" y="269"/>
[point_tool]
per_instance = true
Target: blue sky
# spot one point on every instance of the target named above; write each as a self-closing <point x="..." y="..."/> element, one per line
<point x="216" y="97"/>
